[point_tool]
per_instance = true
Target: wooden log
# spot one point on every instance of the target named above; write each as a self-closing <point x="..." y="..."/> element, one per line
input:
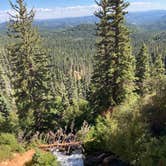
<point x="60" y="145"/>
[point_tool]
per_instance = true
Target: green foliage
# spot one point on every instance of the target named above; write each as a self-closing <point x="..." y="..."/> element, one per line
<point x="4" y="106"/>
<point x="27" y="122"/>
<point x="113" y="76"/>
<point x="10" y="140"/>
<point x="143" y="70"/>
<point x="83" y="133"/>
<point x="155" y="153"/>
<point x="122" y="133"/>
<point x="70" y="55"/>
<point x="29" y="64"/>
<point x="76" y="112"/>
<point x="8" y="145"/>
<point x="158" y="68"/>
<point x="5" y="152"/>
<point x="155" y="109"/>
<point x="4" y="112"/>
<point x="11" y="124"/>
<point x="9" y="121"/>
<point x="43" y="159"/>
<point x="125" y="133"/>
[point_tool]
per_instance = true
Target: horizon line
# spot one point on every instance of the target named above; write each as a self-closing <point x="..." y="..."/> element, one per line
<point x="72" y="17"/>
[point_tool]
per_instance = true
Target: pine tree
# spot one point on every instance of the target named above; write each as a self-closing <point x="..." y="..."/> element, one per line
<point x="158" y="67"/>
<point x="29" y="65"/>
<point x="113" y="77"/>
<point x="5" y="85"/>
<point x="100" y="84"/>
<point x="8" y="116"/>
<point x="123" y="62"/>
<point x="4" y="107"/>
<point x="143" y="70"/>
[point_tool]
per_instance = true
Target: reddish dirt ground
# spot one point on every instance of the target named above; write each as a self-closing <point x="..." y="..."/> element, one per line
<point x="19" y="159"/>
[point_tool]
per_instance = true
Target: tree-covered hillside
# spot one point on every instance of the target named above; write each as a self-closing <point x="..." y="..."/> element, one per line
<point x="102" y="85"/>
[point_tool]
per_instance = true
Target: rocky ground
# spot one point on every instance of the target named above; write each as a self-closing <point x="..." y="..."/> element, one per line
<point x="103" y="159"/>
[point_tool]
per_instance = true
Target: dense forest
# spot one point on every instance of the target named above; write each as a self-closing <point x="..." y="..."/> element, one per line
<point x="104" y="83"/>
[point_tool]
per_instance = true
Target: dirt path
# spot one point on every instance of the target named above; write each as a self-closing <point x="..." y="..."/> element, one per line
<point x="19" y="159"/>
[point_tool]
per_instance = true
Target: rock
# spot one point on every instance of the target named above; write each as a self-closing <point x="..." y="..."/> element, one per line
<point x="92" y="161"/>
<point x="101" y="156"/>
<point x="113" y="161"/>
<point x="103" y="159"/>
<point x="108" y="159"/>
<point x="95" y="159"/>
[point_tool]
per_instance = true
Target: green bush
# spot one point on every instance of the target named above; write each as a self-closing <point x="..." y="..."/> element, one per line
<point x="43" y="159"/>
<point x="9" y="121"/>
<point x="122" y="133"/>
<point x="76" y="112"/>
<point x="155" y="110"/>
<point x="155" y="153"/>
<point x="10" y="140"/>
<point x="126" y="134"/>
<point x="8" y="145"/>
<point x="9" y="124"/>
<point x="12" y="123"/>
<point x="5" y="152"/>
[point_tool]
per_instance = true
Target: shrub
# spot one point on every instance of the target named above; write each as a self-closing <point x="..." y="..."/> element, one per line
<point x="12" y="123"/>
<point x="122" y="133"/>
<point x="43" y="159"/>
<point x="155" y="110"/>
<point x="126" y="134"/>
<point x="8" y="118"/>
<point x="9" y="124"/>
<point x="155" y="153"/>
<point x="10" y="140"/>
<point x="8" y="145"/>
<point x="76" y="112"/>
<point x="83" y="132"/>
<point x="5" y="152"/>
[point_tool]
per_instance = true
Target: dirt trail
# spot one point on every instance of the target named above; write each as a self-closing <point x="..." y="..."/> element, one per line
<point x="19" y="159"/>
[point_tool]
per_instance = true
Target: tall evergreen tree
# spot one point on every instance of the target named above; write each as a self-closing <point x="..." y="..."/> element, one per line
<point x="158" y="68"/>
<point x="113" y="77"/>
<point x="143" y="70"/>
<point x="4" y="107"/>
<point x="29" y="65"/>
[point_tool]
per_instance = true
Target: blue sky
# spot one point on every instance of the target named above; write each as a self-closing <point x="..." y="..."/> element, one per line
<point x="65" y="3"/>
<point x="50" y="3"/>
<point x="74" y="8"/>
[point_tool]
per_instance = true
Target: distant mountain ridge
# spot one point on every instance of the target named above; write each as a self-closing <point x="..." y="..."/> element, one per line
<point x="145" y="17"/>
<point x="65" y="22"/>
<point x="155" y="19"/>
<point x="51" y="24"/>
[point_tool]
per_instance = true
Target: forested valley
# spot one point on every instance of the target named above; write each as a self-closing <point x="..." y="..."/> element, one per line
<point x="99" y="80"/>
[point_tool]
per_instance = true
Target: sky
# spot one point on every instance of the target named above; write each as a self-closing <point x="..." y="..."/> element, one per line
<point x="74" y="8"/>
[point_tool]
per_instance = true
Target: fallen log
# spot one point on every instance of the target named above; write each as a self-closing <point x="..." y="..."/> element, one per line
<point x="60" y="145"/>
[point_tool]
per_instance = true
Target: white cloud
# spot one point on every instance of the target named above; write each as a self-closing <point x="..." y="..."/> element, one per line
<point x="141" y="3"/>
<point x="43" y="10"/>
<point x="3" y="15"/>
<point x="144" y="6"/>
<point x="59" y="12"/>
